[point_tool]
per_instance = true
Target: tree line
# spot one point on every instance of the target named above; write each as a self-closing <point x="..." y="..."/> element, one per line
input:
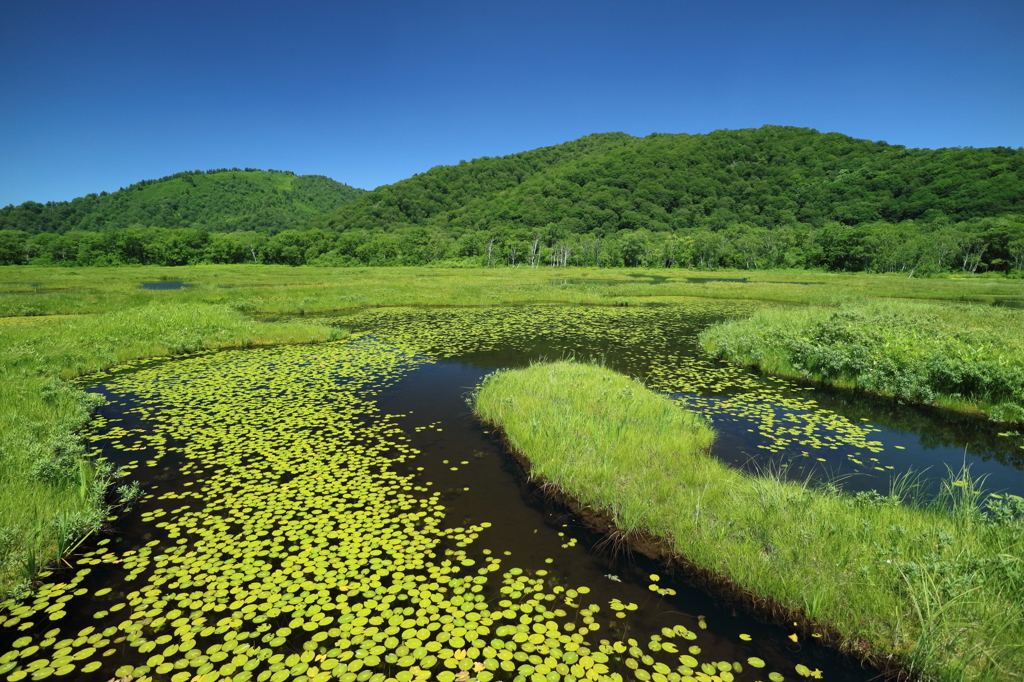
<point x="909" y="247"/>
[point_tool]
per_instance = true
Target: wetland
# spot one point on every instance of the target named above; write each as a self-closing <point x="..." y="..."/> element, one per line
<point x="336" y="511"/>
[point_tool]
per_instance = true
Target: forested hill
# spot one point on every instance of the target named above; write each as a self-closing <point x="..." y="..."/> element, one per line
<point x="757" y="198"/>
<point x="443" y="189"/>
<point x="222" y="200"/>
<point x="769" y="177"/>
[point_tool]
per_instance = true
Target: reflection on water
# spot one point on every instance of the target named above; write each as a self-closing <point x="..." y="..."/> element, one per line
<point x="492" y="487"/>
<point x="761" y="421"/>
<point x="18" y="288"/>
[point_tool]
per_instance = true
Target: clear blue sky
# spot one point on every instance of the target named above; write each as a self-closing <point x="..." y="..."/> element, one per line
<point x="96" y="96"/>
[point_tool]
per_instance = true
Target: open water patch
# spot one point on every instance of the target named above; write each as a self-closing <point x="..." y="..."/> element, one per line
<point x="164" y="286"/>
<point x="333" y="511"/>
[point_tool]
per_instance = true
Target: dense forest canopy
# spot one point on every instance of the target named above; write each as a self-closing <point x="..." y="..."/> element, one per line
<point x="220" y="200"/>
<point x="768" y="177"/>
<point x="757" y="198"/>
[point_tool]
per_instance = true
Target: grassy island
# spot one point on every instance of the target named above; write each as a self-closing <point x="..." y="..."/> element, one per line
<point x="935" y="589"/>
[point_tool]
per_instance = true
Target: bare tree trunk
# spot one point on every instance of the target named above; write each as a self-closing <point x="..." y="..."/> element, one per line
<point x="490" y="246"/>
<point x="977" y="258"/>
<point x="512" y="251"/>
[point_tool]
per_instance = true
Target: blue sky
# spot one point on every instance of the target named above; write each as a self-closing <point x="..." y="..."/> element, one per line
<point x="96" y="96"/>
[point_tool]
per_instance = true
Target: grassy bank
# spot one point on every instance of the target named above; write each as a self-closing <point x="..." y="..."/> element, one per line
<point x="283" y="289"/>
<point x="965" y="357"/>
<point x="940" y="587"/>
<point x="52" y="494"/>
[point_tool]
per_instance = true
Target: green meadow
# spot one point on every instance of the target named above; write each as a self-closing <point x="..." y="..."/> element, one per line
<point x="284" y="289"/>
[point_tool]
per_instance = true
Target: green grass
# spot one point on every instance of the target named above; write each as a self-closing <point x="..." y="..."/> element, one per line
<point x="283" y="289"/>
<point x="969" y="358"/>
<point x="52" y="494"/>
<point x="938" y="587"/>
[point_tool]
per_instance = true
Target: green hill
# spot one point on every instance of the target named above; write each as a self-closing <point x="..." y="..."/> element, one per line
<point x="768" y="177"/>
<point x="223" y="200"/>
<point x="755" y="199"/>
<point x="430" y="196"/>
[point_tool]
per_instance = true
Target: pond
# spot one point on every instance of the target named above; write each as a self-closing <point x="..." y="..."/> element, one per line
<point x="334" y="511"/>
<point x="164" y="286"/>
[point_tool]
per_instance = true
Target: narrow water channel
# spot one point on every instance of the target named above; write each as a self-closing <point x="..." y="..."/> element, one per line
<point x="489" y="485"/>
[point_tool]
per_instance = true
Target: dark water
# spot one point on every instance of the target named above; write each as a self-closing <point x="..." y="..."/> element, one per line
<point x="925" y="441"/>
<point x="1009" y="303"/>
<point x="528" y="525"/>
<point x="33" y="290"/>
<point x="935" y="439"/>
<point x="162" y="286"/>
<point x="929" y="443"/>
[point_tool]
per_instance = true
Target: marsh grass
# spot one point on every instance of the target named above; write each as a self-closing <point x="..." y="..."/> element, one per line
<point x="52" y="495"/>
<point x="283" y="289"/>
<point x="936" y="586"/>
<point x="968" y="358"/>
